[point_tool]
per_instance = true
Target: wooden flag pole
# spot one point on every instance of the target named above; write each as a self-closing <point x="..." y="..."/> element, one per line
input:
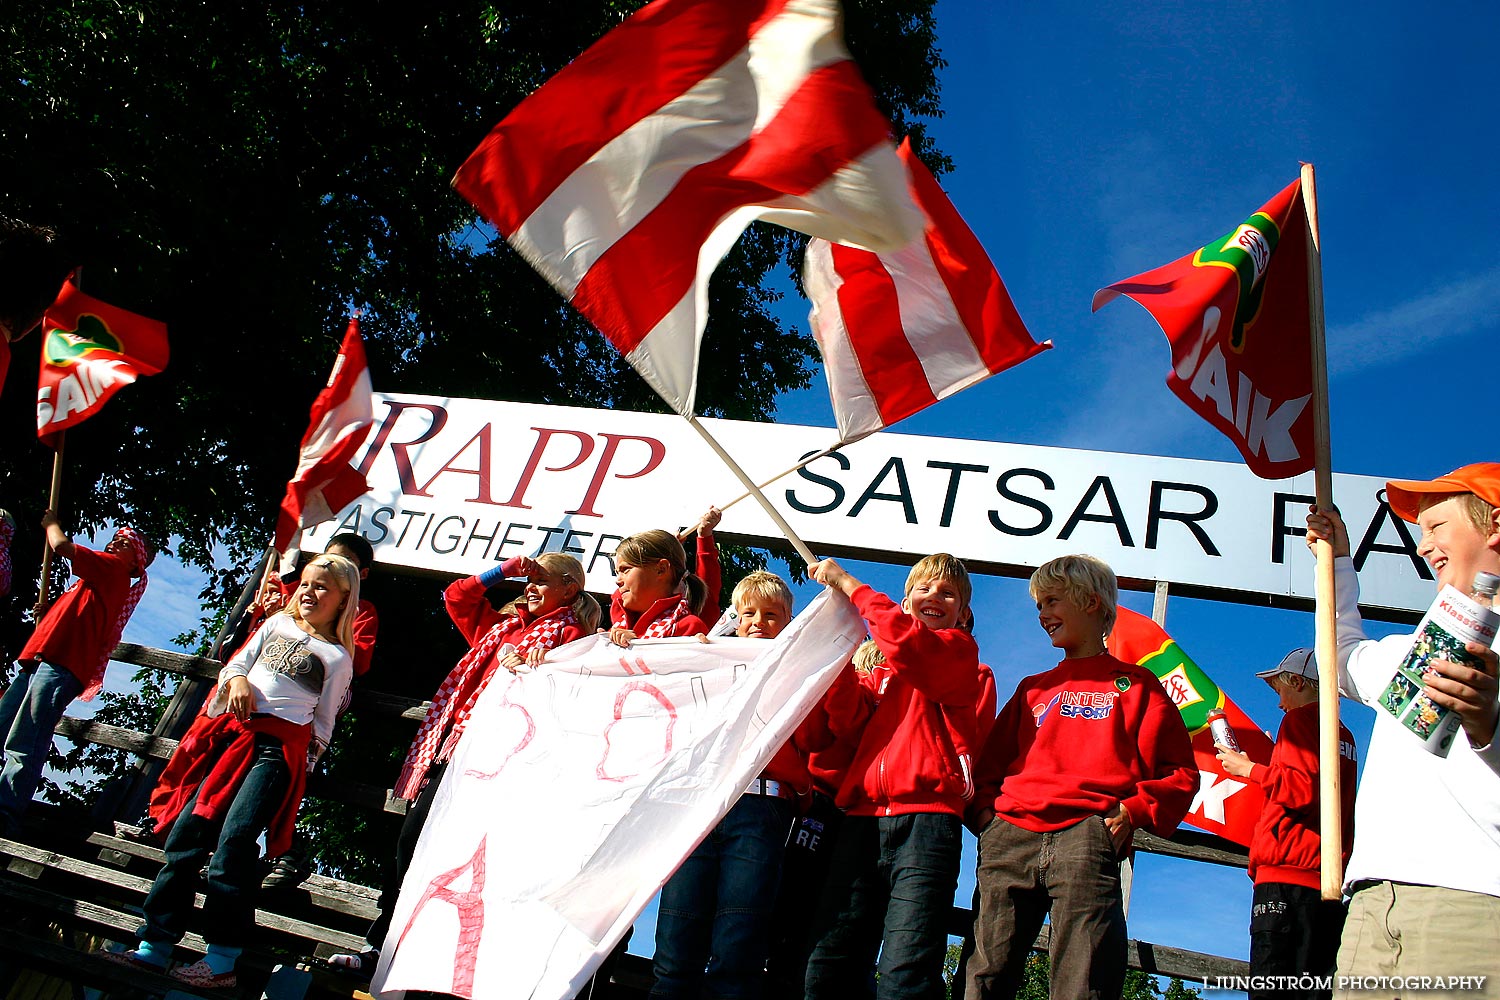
<point x="53" y="499"/>
<point x="1330" y="795"/>
<point x="786" y="472"/>
<point x="753" y="490"/>
<point x="685" y="533"/>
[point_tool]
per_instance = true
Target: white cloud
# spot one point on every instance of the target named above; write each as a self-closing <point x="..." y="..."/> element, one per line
<point x="1408" y="328"/>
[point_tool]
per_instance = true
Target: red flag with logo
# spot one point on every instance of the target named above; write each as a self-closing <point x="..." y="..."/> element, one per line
<point x="626" y="177"/>
<point x="89" y="350"/>
<point x="903" y="329"/>
<point x="1225" y="805"/>
<point x="326" y="481"/>
<point x="1236" y="314"/>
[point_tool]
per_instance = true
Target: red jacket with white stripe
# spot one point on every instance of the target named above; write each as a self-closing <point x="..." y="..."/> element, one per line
<point x="1286" y="846"/>
<point x="915" y="755"/>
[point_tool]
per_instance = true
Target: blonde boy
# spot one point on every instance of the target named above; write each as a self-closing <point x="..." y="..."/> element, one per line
<point x="1424" y="878"/>
<point x="713" y="926"/>
<point x="1080" y="756"/>
<point x="895" y="863"/>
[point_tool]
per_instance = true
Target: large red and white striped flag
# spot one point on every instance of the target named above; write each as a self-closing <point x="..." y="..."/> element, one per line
<point x="326" y="481"/>
<point x="627" y="177"/>
<point x="901" y="330"/>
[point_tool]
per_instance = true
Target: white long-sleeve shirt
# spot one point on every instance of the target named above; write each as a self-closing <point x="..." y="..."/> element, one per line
<point x="1418" y="817"/>
<point x="293" y="676"/>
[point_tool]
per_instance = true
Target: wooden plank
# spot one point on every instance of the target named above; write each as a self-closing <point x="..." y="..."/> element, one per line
<point x="104" y="735"/>
<point x="380" y="703"/>
<point x="134" y="883"/>
<point x="166" y="659"/>
<point x="107" y="921"/>
<point x="1195" y="846"/>
<point x="76" y="967"/>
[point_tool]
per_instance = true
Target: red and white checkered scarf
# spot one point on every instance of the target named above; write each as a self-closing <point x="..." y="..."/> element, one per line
<point x="7" y="529"/>
<point x="659" y="628"/>
<point x="116" y="628"/>
<point x="455" y="697"/>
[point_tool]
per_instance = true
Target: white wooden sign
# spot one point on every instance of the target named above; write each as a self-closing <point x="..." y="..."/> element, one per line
<point x="457" y="484"/>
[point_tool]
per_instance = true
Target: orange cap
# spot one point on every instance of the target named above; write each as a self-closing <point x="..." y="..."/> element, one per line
<point x="1481" y="479"/>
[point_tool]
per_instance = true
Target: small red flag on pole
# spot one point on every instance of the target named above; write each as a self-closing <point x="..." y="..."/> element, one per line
<point x="341" y="416"/>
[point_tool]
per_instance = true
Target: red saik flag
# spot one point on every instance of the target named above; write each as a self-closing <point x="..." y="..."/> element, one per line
<point x="89" y="350"/>
<point x="626" y="177"/>
<point x="325" y="481"/>
<point x="903" y="329"/>
<point x="1236" y="314"/>
<point x="1225" y="805"/>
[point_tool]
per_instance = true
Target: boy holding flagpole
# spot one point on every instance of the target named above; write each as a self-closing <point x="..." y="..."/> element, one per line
<point x="1424" y="878"/>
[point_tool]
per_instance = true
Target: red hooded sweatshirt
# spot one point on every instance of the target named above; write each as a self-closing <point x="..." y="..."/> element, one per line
<point x="915" y="753"/>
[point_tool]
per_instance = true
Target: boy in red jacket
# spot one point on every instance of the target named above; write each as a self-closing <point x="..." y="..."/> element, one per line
<point x="894" y="867"/>
<point x="1293" y="930"/>
<point x="1080" y="756"/>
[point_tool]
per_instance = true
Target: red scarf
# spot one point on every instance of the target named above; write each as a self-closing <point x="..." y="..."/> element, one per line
<point x="213" y="759"/>
<point x="455" y="697"/>
<point x="662" y="617"/>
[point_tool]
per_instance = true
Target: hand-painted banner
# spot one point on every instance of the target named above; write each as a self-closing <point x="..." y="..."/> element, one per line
<point x="1225" y="805"/>
<point x="578" y="789"/>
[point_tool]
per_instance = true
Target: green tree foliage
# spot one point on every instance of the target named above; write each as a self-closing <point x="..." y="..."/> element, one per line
<point x="247" y="173"/>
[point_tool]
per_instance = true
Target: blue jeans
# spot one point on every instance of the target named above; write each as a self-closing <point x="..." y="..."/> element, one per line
<point x="714" y="924"/>
<point x="230" y="847"/>
<point x="892" y="878"/>
<point x="29" y="711"/>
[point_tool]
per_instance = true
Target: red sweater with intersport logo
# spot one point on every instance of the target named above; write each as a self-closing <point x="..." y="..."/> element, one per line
<point x="1086" y="735"/>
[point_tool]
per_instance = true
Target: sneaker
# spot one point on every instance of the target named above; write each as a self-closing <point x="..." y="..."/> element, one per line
<point x="199" y="974"/>
<point x="362" y="964"/>
<point x="286" y="872"/>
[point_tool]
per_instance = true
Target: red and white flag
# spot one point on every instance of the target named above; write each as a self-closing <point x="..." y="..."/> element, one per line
<point x="627" y="177"/>
<point x="326" y="480"/>
<point x="901" y="330"/>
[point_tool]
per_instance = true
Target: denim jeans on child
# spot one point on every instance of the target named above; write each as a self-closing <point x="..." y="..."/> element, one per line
<point x="713" y="926"/>
<point x="892" y="878"/>
<point x="1074" y="873"/>
<point x="230" y="847"/>
<point x="29" y="711"/>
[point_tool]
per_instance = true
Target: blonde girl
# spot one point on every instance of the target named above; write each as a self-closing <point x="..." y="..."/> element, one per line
<point x="242" y="769"/>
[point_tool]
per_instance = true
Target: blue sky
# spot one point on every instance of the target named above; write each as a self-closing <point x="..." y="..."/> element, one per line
<point x="1094" y="142"/>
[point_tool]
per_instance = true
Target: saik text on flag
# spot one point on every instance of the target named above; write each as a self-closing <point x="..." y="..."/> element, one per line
<point x="326" y="481"/>
<point x="1237" y="316"/>
<point x="902" y="329"/>
<point x="1225" y="804"/>
<point x="90" y="349"/>
<point x="627" y="177"/>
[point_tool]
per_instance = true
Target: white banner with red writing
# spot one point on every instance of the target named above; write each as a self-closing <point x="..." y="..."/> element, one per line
<point x="578" y="789"/>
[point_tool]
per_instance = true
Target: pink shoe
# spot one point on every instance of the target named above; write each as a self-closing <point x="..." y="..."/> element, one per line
<point x="201" y="975"/>
<point x="130" y="958"/>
